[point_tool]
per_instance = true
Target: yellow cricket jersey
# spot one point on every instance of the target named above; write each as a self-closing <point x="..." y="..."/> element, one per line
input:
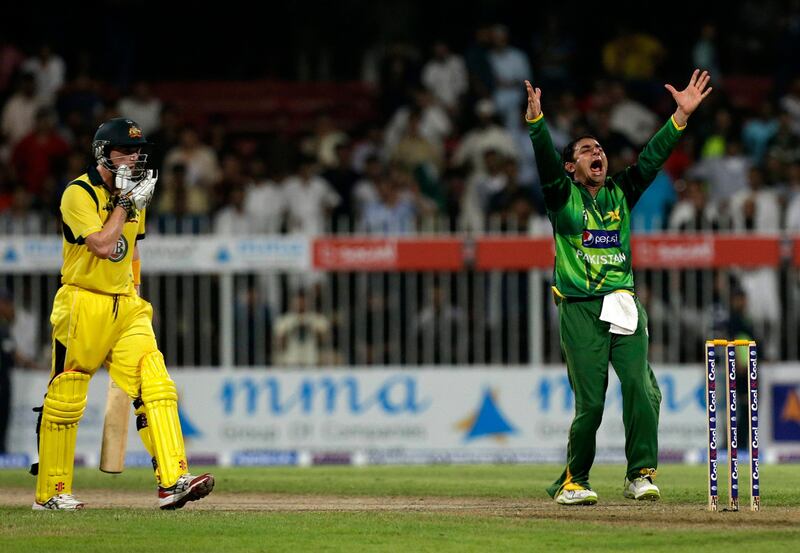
<point x="85" y="207"/>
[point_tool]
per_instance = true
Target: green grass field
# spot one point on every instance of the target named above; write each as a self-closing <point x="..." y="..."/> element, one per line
<point x="437" y="508"/>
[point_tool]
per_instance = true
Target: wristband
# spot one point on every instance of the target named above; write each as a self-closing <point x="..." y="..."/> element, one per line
<point x="127" y="204"/>
<point x="137" y="272"/>
<point x="677" y="127"/>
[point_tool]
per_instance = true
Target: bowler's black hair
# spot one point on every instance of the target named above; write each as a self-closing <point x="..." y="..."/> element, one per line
<point x="568" y="153"/>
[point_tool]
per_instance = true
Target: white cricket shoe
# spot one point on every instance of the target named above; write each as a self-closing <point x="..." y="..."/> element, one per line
<point x="575" y="494"/>
<point x="60" y="502"/>
<point x="641" y="488"/>
<point x="187" y="488"/>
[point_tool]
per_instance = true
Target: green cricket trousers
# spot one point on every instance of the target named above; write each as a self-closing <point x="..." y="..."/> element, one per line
<point x="588" y="346"/>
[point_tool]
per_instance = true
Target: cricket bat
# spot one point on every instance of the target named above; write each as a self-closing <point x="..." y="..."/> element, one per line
<point x="115" y="429"/>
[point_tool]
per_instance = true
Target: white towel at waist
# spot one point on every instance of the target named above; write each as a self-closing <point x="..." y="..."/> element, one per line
<point x="619" y="309"/>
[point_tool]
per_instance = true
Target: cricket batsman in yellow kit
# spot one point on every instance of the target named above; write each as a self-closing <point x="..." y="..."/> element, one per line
<point x="99" y="320"/>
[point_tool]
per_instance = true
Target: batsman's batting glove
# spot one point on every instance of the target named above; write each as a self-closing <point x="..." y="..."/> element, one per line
<point x="142" y="193"/>
<point x="138" y="197"/>
<point x="125" y="182"/>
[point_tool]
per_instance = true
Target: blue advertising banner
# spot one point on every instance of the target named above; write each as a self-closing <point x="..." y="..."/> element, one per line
<point x="786" y="412"/>
<point x="299" y="417"/>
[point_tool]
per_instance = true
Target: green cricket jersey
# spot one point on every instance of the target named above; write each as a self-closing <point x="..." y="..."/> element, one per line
<point x="593" y="235"/>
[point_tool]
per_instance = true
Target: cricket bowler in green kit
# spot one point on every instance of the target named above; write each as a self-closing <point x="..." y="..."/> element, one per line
<point x="600" y="318"/>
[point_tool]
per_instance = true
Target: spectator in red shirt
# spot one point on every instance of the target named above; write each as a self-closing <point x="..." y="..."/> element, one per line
<point x="7" y="186"/>
<point x="35" y="156"/>
<point x="682" y="158"/>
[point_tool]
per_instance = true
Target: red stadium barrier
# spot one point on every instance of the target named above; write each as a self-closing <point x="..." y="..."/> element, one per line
<point x="388" y="254"/>
<point x="665" y="251"/>
<point x="514" y="253"/>
<point x="704" y="251"/>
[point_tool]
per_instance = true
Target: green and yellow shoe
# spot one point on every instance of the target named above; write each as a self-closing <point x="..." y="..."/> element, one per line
<point x="641" y="488"/>
<point x="575" y="494"/>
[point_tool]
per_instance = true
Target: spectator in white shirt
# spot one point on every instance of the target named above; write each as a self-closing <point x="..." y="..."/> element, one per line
<point x="200" y="160"/>
<point x="310" y="199"/>
<point x="414" y="151"/>
<point x="302" y="336"/>
<point x="756" y="208"/>
<point x="265" y="201"/>
<point x="265" y="209"/>
<point x="233" y="218"/>
<point x="49" y="71"/>
<point x="434" y="124"/>
<point x="19" y="113"/>
<point x="510" y="66"/>
<point x="393" y="212"/>
<point x="479" y="188"/>
<point x="25" y="332"/>
<point x="725" y="175"/>
<point x="631" y="118"/>
<point x="694" y="212"/>
<point x="445" y="75"/>
<point x="486" y="135"/>
<point x="142" y="107"/>
<point x="705" y="52"/>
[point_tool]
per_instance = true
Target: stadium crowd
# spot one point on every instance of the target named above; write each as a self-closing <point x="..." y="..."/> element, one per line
<point x="447" y="151"/>
<point x="448" y="143"/>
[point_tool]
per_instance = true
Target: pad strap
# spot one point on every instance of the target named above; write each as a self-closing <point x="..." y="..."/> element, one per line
<point x="144" y="432"/>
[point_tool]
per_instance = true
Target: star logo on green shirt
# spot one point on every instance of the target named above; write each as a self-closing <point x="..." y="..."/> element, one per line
<point x="613" y="215"/>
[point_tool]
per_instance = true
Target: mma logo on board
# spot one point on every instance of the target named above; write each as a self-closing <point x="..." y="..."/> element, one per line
<point x="120" y="250"/>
